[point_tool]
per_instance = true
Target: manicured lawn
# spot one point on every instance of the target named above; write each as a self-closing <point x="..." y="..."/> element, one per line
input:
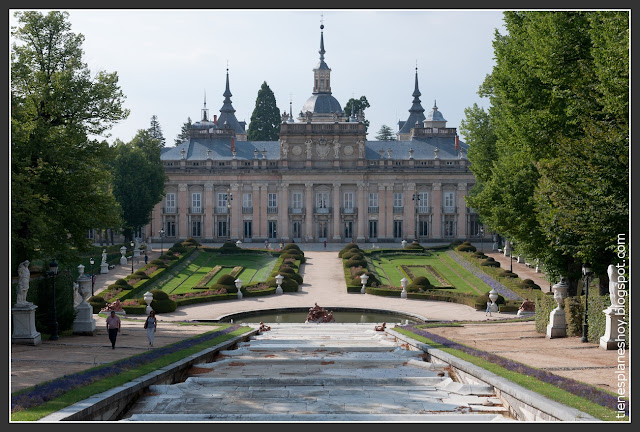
<point x="390" y="273"/>
<point x="256" y="268"/>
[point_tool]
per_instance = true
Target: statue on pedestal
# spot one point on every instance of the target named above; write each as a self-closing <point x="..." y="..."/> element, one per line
<point x="319" y="315"/>
<point x="23" y="283"/>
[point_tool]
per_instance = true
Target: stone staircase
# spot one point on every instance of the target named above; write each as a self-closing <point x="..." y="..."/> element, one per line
<point x="319" y="373"/>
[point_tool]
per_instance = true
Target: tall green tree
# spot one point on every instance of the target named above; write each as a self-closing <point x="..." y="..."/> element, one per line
<point x="60" y="183"/>
<point x="265" y="119"/>
<point x="357" y="105"/>
<point x="558" y="185"/>
<point x="139" y="179"/>
<point x="155" y="131"/>
<point x="185" y="132"/>
<point x="385" y="134"/>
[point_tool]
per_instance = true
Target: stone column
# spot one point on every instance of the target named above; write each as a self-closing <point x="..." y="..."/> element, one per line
<point x="383" y="214"/>
<point x="461" y="205"/>
<point x="183" y="209"/>
<point x="308" y="212"/>
<point x="362" y="211"/>
<point x="283" y="212"/>
<point x="389" y="206"/>
<point x="257" y="232"/>
<point x="410" y="204"/>
<point x="236" y="212"/>
<point x="436" y="223"/>
<point x="208" y="217"/>
<point x="336" y="212"/>
<point x="264" y="188"/>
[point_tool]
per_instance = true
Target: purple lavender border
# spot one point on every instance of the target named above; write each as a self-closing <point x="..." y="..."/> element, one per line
<point x="501" y="289"/>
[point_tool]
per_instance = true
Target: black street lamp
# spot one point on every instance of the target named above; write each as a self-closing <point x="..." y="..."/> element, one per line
<point x="161" y="241"/>
<point x="132" y="245"/>
<point x="481" y="232"/>
<point x="92" y="279"/>
<point x="511" y="256"/>
<point x="586" y="271"/>
<point x="53" y="271"/>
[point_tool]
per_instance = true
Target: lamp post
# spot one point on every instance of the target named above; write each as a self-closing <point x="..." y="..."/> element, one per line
<point x="132" y="245"/>
<point x="161" y="241"/>
<point x="92" y="262"/>
<point x="586" y="271"/>
<point x="53" y="271"/>
<point x="481" y="232"/>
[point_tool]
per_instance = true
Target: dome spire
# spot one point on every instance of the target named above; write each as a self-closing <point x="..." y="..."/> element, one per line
<point x="205" y="111"/>
<point x="322" y="51"/>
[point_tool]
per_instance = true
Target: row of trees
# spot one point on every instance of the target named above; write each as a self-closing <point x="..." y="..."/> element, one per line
<point x="551" y="154"/>
<point x="62" y="182"/>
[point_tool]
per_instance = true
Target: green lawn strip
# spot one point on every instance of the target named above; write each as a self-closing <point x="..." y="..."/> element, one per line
<point x="379" y="269"/>
<point x="247" y="275"/>
<point x="461" y="277"/>
<point x="171" y="287"/>
<point x="199" y="269"/>
<point x="552" y="392"/>
<point x="264" y="269"/>
<point x="82" y="393"/>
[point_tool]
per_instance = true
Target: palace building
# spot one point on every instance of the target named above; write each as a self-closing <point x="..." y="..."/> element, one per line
<point x="321" y="181"/>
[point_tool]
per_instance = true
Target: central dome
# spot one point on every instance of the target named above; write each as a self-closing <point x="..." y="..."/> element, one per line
<point x="322" y="103"/>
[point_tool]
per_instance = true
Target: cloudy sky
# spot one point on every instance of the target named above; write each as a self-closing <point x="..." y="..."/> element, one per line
<point x="168" y="59"/>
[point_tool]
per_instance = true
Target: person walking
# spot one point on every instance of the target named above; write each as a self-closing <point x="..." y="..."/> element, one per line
<point x="151" y="324"/>
<point x="488" y="311"/>
<point x="113" y="327"/>
<point x="146" y="259"/>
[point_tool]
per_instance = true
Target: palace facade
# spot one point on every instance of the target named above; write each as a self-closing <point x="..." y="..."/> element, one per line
<point x="321" y="181"/>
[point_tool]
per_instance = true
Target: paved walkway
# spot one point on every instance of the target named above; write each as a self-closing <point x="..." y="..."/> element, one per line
<point x="324" y="285"/>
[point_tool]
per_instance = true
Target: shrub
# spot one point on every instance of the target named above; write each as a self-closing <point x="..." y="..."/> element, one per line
<point x="97" y="302"/>
<point x="159" y="263"/>
<point x="490" y="262"/>
<point x="120" y="283"/>
<point x="291" y="246"/>
<point x="178" y="249"/>
<point x="190" y="242"/>
<point x="141" y="274"/>
<point x="415" y="245"/>
<point x="466" y="247"/>
<point x="226" y="280"/>
<point x="349" y="246"/>
<point x="373" y="280"/>
<point x="420" y="283"/>
<point x="353" y="253"/>
<point x="529" y="284"/>
<point x="162" y="303"/>
<point x="455" y="243"/>
<point x="508" y="273"/>
<point x="354" y="262"/>
<point x="479" y="255"/>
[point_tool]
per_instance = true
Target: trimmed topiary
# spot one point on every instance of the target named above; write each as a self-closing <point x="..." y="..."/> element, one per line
<point x="490" y="262"/>
<point x="353" y="253"/>
<point x="508" y="273"/>
<point x="226" y="280"/>
<point x="347" y="247"/>
<point x="161" y="302"/>
<point x="420" y="283"/>
<point x="291" y="246"/>
<point x="354" y="262"/>
<point x="288" y="284"/>
<point x="466" y="247"/>
<point x="158" y="263"/>
<point x="97" y="303"/>
<point x="373" y="279"/>
<point x="190" y="242"/>
<point x="141" y="274"/>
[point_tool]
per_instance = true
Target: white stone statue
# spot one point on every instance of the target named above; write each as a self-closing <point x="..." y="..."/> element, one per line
<point x="77" y="297"/>
<point x="336" y="149"/>
<point x="104" y="256"/>
<point x="23" y="283"/>
<point x="361" y="149"/>
<point x="613" y="286"/>
<point x="308" y="143"/>
<point x="285" y="148"/>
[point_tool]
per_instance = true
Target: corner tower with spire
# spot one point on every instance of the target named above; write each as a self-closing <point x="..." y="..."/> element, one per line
<point x="227" y="115"/>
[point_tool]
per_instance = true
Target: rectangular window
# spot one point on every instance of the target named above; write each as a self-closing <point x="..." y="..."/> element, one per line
<point x="423" y="201"/>
<point x="449" y="226"/>
<point x="247" y="199"/>
<point x="397" y="229"/>
<point x="195" y="228"/>
<point x="222" y="228"/>
<point x="423" y="228"/>
<point x="448" y="199"/>
<point x="296" y="200"/>
<point x="373" y="199"/>
<point x="272" y="229"/>
<point x="297" y="229"/>
<point x="170" y="201"/>
<point x="248" y="229"/>
<point x="348" y="200"/>
<point x="373" y="229"/>
<point x="171" y="228"/>
<point x="222" y="200"/>
<point x="196" y="200"/>
<point x="397" y="199"/>
<point x="322" y="231"/>
<point x="272" y="200"/>
<point x="322" y="202"/>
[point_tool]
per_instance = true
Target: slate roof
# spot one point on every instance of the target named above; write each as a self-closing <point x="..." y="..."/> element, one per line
<point x="423" y="148"/>
<point x="322" y="103"/>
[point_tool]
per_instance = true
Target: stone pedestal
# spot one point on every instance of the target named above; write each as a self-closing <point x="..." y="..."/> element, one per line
<point x="123" y="258"/>
<point x="557" y="326"/>
<point x="136" y="252"/>
<point x="104" y="268"/>
<point x="279" y="290"/>
<point x="84" y="324"/>
<point x="525" y="314"/>
<point x="611" y="337"/>
<point x="24" y="325"/>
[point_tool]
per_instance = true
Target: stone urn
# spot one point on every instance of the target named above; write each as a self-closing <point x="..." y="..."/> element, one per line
<point x="557" y="326"/>
<point x="493" y="296"/>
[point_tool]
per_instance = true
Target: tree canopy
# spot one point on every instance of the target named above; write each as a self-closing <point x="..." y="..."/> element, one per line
<point x="265" y="119"/>
<point x="551" y="154"/>
<point x="385" y="134"/>
<point x="357" y="105"/>
<point x="155" y="131"/>
<point x="60" y="183"/>
<point x="185" y="132"/>
<point x="139" y="179"/>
